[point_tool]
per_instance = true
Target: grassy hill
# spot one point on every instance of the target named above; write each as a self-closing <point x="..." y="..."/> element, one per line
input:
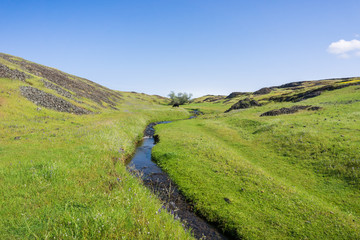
<point x="279" y="163"/>
<point x="62" y="145"/>
<point x="285" y="167"/>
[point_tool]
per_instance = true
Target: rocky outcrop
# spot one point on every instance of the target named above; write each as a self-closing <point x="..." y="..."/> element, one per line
<point x="6" y="72"/>
<point x="50" y="101"/>
<point x="235" y="94"/>
<point x="58" y="89"/>
<point x="308" y="94"/>
<point x="263" y="91"/>
<point x="291" y="85"/>
<point x="79" y="86"/>
<point x="290" y="110"/>
<point x="213" y="98"/>
<point x="245" y="103"/>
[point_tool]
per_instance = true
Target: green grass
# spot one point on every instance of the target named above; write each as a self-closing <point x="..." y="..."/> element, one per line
<point x="65" y="179"/>
<point x="207" y="108"/>
<point x="285" y="177"/>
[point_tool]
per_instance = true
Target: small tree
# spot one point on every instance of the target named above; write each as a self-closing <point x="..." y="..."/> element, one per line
<point x="180" y="98"/>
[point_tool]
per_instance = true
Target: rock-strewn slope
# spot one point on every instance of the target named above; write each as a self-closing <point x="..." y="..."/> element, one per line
<point x="290" y="110"/>
<point x="236" y="94"/>
<point x="58" y="89"/>
<point x="245" y="103"/>
<point x="310" y="93"/>
<point x="263" y="91"/>
<point x="50" y="101"/>
<point x="6" y="72"/>
<point x="80" y="86"/>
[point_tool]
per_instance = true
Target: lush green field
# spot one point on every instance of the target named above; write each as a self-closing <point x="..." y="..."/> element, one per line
<point x="279" y="177"/>
<point x="62" y="175"/>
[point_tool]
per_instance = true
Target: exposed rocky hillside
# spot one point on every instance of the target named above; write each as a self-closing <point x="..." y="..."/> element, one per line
<point x="290" y="110"/>
<point x="290" y="92"/>
<point x="50" y="88"/>
<point x="245" y="103"/>
<point x="50" y="101"/>
<point x="6" y="72"/>
<point x="209" y="98"/>
<point x="236" y="94"/>
<point x="79" y="86"/>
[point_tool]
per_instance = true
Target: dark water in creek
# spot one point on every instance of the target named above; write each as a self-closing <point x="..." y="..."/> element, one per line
<point x="141" y="161"/>
<point x="159" y="182"/>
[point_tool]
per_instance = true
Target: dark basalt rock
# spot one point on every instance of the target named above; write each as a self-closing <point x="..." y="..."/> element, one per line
<point x="291" y="85"/>
<point x="50" y="101"/>
<point x="308" y="94"/>
<point x="290" y="110"/>
<point x="263" y="91"/>
<point x="14" y="74"/>
<point x="58" y="89"/>
<point x="213" y="98"/>
<point x="235" y="94"/>
<point x="79" y="86"/>
<point x="245" y="103"/>
<point x="314" y="108"/>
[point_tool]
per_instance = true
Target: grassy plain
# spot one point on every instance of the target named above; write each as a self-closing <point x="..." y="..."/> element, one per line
<point x="278" y="177"/>
<point x="62" y="177"/>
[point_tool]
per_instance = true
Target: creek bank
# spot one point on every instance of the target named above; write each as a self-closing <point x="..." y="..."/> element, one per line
<point x="159" y="182"/>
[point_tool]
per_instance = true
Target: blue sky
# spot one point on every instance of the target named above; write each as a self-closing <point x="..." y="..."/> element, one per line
<point x="197" y="46"/>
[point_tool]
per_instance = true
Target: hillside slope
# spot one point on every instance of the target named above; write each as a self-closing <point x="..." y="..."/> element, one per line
<point x="281" y="163"/>
<point x="290" y="92"/>
<point x="63" y="142"/>
<point x="63" y="92"/>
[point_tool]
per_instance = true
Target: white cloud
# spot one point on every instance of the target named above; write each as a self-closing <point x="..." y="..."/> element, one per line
<point x="345" y="49"/>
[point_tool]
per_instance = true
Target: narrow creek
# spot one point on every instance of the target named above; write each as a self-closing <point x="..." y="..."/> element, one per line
<point x="160" y="183"/>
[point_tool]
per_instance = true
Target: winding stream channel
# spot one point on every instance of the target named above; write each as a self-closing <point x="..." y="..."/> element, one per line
<point x="160" y="183"/>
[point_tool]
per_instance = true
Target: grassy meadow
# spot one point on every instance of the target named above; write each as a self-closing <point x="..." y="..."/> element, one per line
<point x="62" y="175"/>
<point x="293" y="176"/>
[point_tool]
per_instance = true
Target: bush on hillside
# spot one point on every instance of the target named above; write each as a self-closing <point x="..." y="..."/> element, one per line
<point x="180" y="98"/>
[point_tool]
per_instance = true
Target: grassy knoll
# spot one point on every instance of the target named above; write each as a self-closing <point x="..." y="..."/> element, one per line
<point x="276" y="177"/>
<point x="62" y="177"/>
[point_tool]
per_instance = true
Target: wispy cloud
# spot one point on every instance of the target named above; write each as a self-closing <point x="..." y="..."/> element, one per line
<point x="345" y="49"/>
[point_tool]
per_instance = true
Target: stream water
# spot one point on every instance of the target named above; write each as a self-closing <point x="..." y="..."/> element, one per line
<point x="159" y="182"/>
